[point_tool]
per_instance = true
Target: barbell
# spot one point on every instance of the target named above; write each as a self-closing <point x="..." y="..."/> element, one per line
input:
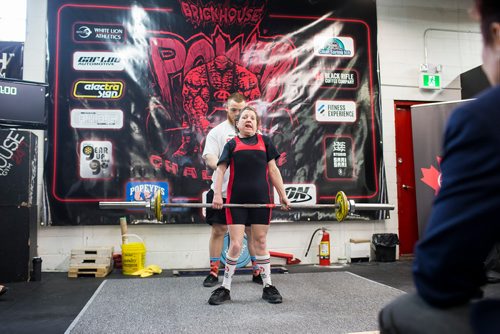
<point x="342" y="206"/>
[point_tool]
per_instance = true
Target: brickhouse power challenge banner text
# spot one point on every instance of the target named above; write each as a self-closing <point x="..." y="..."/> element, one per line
<point x="136" y="86"/>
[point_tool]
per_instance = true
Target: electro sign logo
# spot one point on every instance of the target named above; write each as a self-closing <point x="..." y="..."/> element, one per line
<point x="334" y="46"/>
<point x="98" y="89"/>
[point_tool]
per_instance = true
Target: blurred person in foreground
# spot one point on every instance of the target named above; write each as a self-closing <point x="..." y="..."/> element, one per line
<point x="448" y="269"/>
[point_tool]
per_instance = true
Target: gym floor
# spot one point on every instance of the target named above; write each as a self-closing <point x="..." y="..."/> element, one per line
<point x="50" y="305"/>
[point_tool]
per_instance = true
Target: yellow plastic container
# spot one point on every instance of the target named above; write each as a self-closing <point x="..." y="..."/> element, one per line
<point x="133" y="255"/>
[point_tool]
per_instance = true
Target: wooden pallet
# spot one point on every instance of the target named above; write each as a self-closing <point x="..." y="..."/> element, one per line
<point x="79" y="260"/>
<point x="89" y="270"/>
<point x="97" y="251"/>
<point x="91" y="261"/>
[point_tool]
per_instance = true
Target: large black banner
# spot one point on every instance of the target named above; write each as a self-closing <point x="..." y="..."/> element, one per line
<point x="137" y="87"/>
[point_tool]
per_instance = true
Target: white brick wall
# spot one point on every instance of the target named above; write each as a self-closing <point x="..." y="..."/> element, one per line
<point x="401" y="24"/>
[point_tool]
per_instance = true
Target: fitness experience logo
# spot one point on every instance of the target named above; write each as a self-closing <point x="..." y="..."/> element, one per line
<point x="98" y="89"/>
<point x="342" y="47"/>
<point x="335" y="111"/>
<point x="96" y="159"/>
<point x="98" y="33"/>
<point x="97" y="61"/>
<point x="304" y="193"/>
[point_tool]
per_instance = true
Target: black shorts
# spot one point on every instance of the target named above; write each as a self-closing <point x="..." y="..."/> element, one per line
<point x="247" y="217"/>
<point x="214" y="216"/>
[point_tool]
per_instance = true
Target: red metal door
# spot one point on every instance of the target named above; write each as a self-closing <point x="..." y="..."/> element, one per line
<point x="407" y="205"/>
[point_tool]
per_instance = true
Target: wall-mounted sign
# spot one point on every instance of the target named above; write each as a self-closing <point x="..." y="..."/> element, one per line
<point x="430" y="81"/>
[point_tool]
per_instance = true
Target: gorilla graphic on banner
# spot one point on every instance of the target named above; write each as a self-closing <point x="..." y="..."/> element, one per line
<point x="194" y="79"/>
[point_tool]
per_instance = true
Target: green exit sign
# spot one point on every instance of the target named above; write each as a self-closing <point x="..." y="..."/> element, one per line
<point x="430" y="81"/>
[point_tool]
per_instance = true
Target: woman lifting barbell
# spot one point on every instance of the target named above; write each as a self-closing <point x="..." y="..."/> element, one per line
<point x="251" y="157"/>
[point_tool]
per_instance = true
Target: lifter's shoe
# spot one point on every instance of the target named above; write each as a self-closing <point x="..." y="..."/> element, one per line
<point x="210" y="281"/>
<point x="257" y="279"/>
<point x="271" y="295"/>
<point x="219" y="296"/>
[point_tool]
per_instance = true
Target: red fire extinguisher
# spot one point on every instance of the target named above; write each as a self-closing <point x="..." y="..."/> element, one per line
<point x="324" y="247"/>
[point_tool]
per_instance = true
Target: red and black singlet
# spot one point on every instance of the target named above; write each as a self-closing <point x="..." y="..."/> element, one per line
<point x="248" y="162"/>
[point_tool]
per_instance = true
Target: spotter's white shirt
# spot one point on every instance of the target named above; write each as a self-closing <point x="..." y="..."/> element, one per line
<point x="214" y="144"/>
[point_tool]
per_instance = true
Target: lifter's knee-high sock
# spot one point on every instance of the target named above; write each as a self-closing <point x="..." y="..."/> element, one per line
<point x="264" y="263"/>
<point x="229" y="272"/>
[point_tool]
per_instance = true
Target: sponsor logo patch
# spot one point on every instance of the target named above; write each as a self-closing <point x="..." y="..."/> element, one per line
<point x="342" y="47"/>
<point x="96" y="159"/>
<point x="98" y="33"/>
<point x="339" y="157"/>
<point x="338" y="78"/>
<point x="303" y="193"/>
<point x="97" y="61"/>
<point x="97" y="118"/>
<point x="145" y="191"/>
<point x="335" y="111"/>
<point x="98" y="89"/>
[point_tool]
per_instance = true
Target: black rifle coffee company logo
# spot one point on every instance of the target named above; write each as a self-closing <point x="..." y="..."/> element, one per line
<point x="338" y="78"/>
<point x="103" y="89"/>
<point x="98" y="33"/>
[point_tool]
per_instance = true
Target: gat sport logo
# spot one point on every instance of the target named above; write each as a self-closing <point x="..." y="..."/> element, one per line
<point x="98" y="89"/>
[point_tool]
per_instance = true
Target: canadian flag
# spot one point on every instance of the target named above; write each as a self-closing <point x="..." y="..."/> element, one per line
<point x="432" y="176"/>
